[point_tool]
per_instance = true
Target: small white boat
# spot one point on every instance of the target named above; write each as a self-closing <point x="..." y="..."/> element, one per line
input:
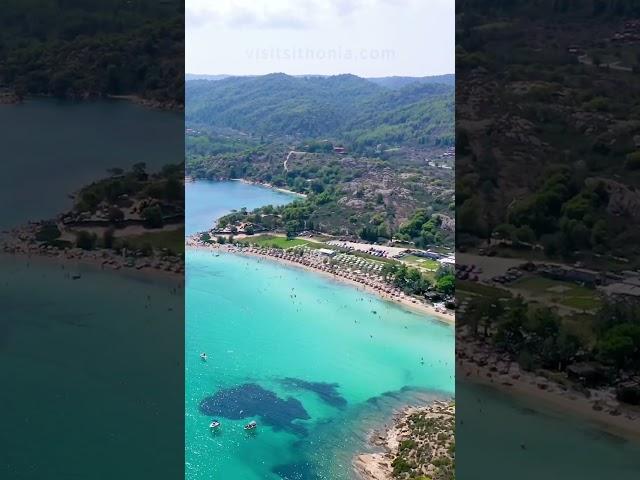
<point x="251" y="425"/>
<point x="214" y="424"/>
<point x="203" y="356"/>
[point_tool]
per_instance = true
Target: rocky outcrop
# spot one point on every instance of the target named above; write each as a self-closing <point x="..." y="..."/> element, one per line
<point x="623" y="201"/>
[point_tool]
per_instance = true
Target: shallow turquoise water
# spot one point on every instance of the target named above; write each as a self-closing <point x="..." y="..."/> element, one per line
<point x="261" y="323"/>
<point x="206" y="201"/>
<point x="240" y="311"/>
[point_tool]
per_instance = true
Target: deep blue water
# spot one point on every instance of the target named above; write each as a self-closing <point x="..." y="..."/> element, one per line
<point x="206" y="201"/>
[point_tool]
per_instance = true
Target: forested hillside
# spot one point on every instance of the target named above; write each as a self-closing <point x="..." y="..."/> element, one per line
<point x="375" y="162"/>
<point x="399" y="82"/>
<point x="344" y="107"/>
<point x="83" y="49"/>
<point x="548" y="137"/>
<point x="540" y="8"/>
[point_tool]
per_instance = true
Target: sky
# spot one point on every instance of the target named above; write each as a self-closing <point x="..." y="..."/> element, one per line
<point x="368" y="38"/>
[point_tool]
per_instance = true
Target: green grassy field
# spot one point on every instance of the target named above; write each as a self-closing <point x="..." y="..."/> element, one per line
<point x="564" y="293"/>
<point x="425" y="263"/>
<point x="278" y="242"/>
<point x="474" y="288"/>
<point x="171" y="239"/>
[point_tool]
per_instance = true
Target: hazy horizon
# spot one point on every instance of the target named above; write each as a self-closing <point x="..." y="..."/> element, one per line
<point x="312" y="75"/>
<point x="367" y="38"/>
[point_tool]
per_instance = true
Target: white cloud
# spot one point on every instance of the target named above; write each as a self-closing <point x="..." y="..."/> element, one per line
<point x="246" y="14"/>
<point x="272" y="14"/>
<point x="364" y="37"/>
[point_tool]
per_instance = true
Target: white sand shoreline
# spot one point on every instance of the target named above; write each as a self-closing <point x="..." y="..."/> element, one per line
<point x="422" y="309"/>
<point x="267" y="185"/>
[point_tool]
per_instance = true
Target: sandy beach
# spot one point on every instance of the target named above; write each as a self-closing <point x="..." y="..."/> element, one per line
<point x="19" y="243"/>
<point x="407" y="302"/>
<point x="544" y="395"/>
<point x="268" y="185"/>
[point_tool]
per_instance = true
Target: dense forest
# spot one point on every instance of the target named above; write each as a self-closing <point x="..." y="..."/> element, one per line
<point x="348" y="108"/>
<point x="83" y="49"/>
<point x="400" y="82"/>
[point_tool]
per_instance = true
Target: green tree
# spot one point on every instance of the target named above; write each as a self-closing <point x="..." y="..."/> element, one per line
<point x="85" y="240"/>
<point x="108" y="238"/>
<point x="633" y="161"/>
<point x="115" y="215"/>
<point x="446" y="284"/>
<point x="291" y="228"/>
<point x="140" y="170"/>
<point x="152" y="217"/>
<point x="173" y="190"/>
<point x="620" y="345"/>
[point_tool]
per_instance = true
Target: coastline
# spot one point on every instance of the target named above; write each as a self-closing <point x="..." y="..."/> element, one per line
<point x="379" y="465"/>
<point x="422" y="309"/>
<point x="148" y="273"/>
<point x="267" y="185"/>
<point x="549" y="397"/>
<point x="100" y="260"/>
<point x="148" y="103"/>
<point x="12" y="99"/>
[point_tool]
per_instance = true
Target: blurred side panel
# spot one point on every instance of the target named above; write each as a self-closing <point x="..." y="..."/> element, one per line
<point x="92" y="242"/>
<point x="548" y="282"/>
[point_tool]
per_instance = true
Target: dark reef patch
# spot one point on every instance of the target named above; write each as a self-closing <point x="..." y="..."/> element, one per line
<point x="296" y="471"/>
<point x="250" y="400"/>
<point x="406" y="395"/>
<point x="328" y="392"/>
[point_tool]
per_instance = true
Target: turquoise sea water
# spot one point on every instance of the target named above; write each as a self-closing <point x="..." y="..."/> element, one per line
<point x="325" y="361"/>
<point x="315" y="362"/>
<point x="207" y="201"/>
<point x="240" y="311"/>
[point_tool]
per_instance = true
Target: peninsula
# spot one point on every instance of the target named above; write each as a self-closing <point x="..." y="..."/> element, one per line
<point x="131" y="220"/>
